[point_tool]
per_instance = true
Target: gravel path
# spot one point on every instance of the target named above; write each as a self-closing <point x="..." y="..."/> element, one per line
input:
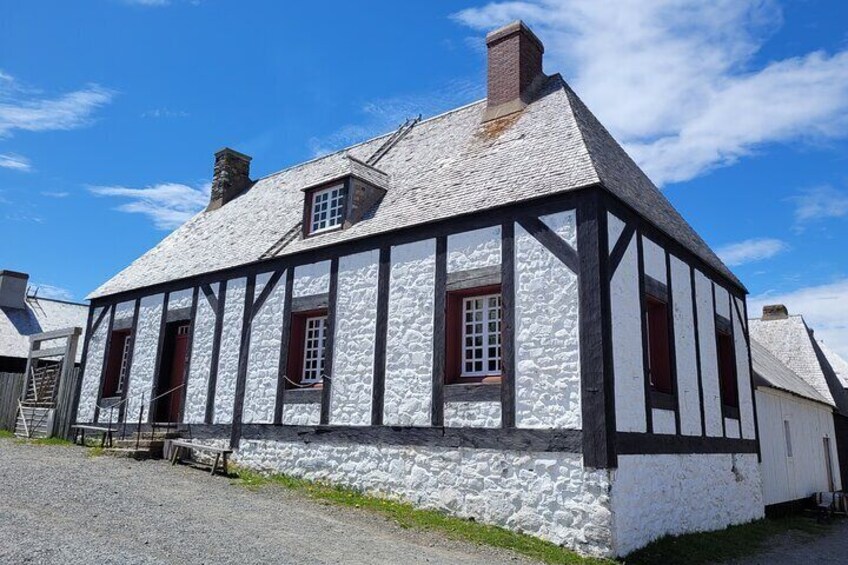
<point x="797" y="547"/>
<point x="57" y="505"/>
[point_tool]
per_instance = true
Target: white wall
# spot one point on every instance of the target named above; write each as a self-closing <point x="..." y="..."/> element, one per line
<point x="355" y="337"/>
<point x="144" y="356"/>
<point x="459" y="414"/>
<point x="228" y="358"/>
<point x="311" y="279"/>
<point x="709" y="359"/>
<point x="547" y="342"/>
<point x="197" y="386"/>
<point x="474" y="249"/>
<point x="409" y="339"/>
<point x="743" y="373"/>
<point x="688" y="393"/>
<point x="260" y="386"/>
<point x="302" y="414"/>
<point x="791" y="478"/>
<point x="657" y="495"/>
<point x="628" y="367"/>
<point x="549" y="495"/>
<point x="89" y="390"/>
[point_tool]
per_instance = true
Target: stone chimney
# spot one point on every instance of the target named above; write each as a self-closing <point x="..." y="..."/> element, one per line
<point x="230" y="178"/>
<point x="515" y="69"/>
<point x="775" y="312"/>
<point x="13" y="287"/>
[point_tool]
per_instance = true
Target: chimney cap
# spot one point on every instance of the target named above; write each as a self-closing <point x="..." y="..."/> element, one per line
<point x="15" y="274"/>
<point x="775" y="312"/>
<point x="233" y="152"/>
<point x="510" y="29"/>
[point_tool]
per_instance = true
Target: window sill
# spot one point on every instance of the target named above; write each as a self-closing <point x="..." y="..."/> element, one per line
<point x="325" y="230"/>
<point x="310" y="395"/>
<point x="663" y="400"/>
<point x="474" y="392"/>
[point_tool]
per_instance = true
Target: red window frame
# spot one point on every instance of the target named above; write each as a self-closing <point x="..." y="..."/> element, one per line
<point x="297" y="342"/>
<point x="727" y="376"/>
<point x="660" y="375"/>
<point x="113" y="364"/>
<point x="453" y="335"/>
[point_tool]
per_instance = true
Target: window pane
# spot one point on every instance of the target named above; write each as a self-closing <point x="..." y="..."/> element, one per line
<point x="327" y="208"/>
<point x="313" y="353"/>
<point x="659" y="351"/>
<point x="481" y="341"/>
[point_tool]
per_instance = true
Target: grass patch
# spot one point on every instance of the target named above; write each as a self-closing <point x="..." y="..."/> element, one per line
<point x="731" y="543"/>
<point x="6" y="434"/>
<point x="409" y="517"/>
<point x="95" y="451"/>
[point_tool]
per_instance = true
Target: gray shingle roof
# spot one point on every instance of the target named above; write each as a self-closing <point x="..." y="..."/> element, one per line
<point x="40" y="315"/>
<point x="790" y="341"/>
<point x="446" y="166"/>
<point x="839" y="364"/>
<point x="771" y="372"/>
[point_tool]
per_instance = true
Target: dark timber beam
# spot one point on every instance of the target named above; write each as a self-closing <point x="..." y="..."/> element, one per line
<point x="210" y="296"/>
<point x="617" y="253"/>
<point x="244" y="356"/>
<point x="508" y="324"/>
<point x="285" y="337"/>
<point x="220" y="303"/>
<point x="100" y="317"/>
<point x="122" y="412"/>
<point x="596" y="380"/>
<point x="554" y="243"/>
<point x="378" y="388"/>
<point x="437" y="406"/>
<point x="330" y="344"/>
<point x="266" y="292"/>
<point x="160" y="347"/>
<point x="189" y="348"/>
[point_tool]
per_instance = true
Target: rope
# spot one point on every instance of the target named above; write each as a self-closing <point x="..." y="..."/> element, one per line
<point x="298" y="385"/>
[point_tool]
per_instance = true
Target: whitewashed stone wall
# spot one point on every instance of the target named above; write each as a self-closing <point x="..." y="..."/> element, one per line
<point x="657" y="495"/>
<point x="628" y="367"/>
<point x="225" y="387"/>
<point x="709" y="359"/>
<point x="653" y="257"/>
<point x="93" y="368"/>
<point x="302" y="414"/>
<point x="409" y="339"/>
<point x="731" y="428"/>
<point x="144" y="355"/>
<point x="311" y="279"/>
<point x="125" y="311"/>
<point x="180" y="299"/>
<point x="459" y="414"/>
<point x="260" y="387"/>
<point x="547" y="345"/>
<point x="197" y="386"/>
<point x="688" y="393"/>
<point x="743" y="376"/>
<point x="355" y="336"/>
<point x="722" y="302"/>
<point x="474" y="249"/>
<point x="549" y="495"/>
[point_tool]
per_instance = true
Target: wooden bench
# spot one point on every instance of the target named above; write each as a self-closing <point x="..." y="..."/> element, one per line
<point x="105" y="431"/>
<point x="179" y="445"/>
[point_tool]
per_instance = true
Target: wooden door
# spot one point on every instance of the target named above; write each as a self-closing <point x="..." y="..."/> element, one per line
<point x="176" y="347"/>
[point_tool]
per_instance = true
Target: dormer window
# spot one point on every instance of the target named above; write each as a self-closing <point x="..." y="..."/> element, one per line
<point x="327" y="210"/>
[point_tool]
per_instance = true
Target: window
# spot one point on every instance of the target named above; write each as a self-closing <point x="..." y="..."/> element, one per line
<point x="788" y="436"/>
<point x="659" y="350"/>
<point x="327" y="209"/>
<point x="481" y="336"/>
<point x="307" y="348"/>
<point x="313" y="350"/>
<point x="727" y="369"/>
<point x="473" y="333"/>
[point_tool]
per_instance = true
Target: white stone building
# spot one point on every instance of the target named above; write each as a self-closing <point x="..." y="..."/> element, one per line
<point x="492" y="312"/>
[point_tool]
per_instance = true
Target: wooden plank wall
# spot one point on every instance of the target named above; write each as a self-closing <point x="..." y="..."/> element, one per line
<point x="11" y="385"/>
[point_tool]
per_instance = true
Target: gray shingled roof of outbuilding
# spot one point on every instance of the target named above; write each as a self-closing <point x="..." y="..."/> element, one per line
<point x="39" y="315"/>
<point x="771" y="372"/>
<point x="446" y="166"/>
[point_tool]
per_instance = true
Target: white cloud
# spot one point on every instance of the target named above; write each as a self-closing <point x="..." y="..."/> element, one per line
<point x="383" y="116"/>
<point x="23" y="108"/>
<point x="824" y="307"/>
<point x="55" y="194"/>
<point x="51" y="291"/>
<point x="15" y="162"/>
<point x="818" y="203"/>
<point x="750" y="250"/>
<point x="169" y="205"/>
<point x="674" y="79"/>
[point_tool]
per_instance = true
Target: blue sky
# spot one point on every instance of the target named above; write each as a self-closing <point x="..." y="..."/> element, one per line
<point x="110" y="112"/>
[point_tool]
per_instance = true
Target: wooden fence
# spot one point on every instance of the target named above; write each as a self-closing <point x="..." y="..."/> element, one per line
<point x="11" y="385"/>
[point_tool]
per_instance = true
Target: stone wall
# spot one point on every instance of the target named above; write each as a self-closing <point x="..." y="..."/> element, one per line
<point x="197" y="387"/>
<point x="225" y="388"/>
<point x="93" y="368"/>
<point x="461" y="414"/>
<point x="145" y="346"/>
<point x="260" y="387"/>
<point x="657" y="495"/>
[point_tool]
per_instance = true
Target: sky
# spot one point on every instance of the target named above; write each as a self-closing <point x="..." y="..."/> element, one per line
<point x="111" y="111"/>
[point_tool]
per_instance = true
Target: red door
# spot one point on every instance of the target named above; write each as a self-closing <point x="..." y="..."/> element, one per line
<point x="176" y="374"/>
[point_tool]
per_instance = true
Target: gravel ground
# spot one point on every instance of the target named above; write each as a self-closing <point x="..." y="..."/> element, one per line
<point x="57" y="505"/>
<point x="796" y="547"/>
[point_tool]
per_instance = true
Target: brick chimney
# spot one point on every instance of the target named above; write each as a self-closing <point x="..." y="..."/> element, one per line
<point x="231" y="177"/>
<point x="515" y="69"/>
<point x="775" y="312"/>
<point x="13" y="287"/>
